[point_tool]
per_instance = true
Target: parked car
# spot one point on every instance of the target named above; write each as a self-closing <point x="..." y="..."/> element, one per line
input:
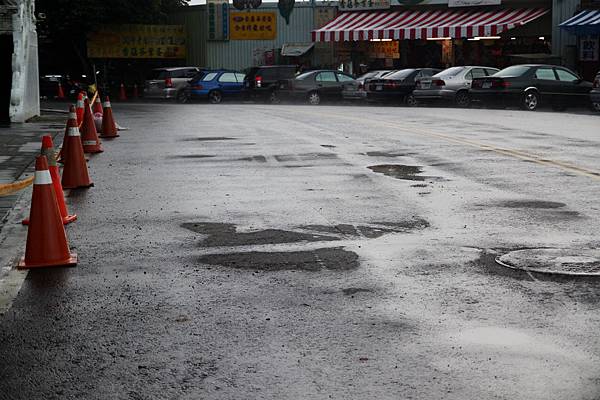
<point x="530" y="85"/>
<point x="373" y="75"/>
<point x="214" y="86"/>
<point x="398" y="86"/>
<point x="320" y="85"/>
<point x="451" y="84"/>
<point x="261" y="82"/>
<point x="595" y="93"/>
<point x="168" y="83"/>
<point x="71" y="88"/>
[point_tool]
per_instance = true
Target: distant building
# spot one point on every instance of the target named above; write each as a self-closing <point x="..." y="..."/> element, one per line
<point x="19" y="77"/>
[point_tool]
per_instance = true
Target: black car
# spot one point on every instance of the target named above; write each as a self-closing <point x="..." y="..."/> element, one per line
<point x="595" y="93"/>
<point x="261" y="82"/>
<point x="319" y="85"/>
<point x="531" y="85"/>
<point x="398" y="86"/>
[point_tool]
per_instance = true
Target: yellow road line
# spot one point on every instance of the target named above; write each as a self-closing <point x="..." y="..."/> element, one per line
<point x="500" y="150"/>
<point x="9" y="188"/>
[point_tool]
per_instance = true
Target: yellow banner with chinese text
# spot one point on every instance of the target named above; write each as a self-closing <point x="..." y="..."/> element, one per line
<point x="138" y="41"/>
<point x="252" y="25"/>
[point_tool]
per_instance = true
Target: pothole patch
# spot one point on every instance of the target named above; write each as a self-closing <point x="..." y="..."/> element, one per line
<point x="573" y="262"/>
<point x="321" y="259"/>
<point x="404" y="172"/>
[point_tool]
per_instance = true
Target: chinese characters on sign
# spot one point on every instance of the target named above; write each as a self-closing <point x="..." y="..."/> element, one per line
<point x="138" y="41"/>
<point x="358" y="5"/>
<point x="387" y="49"/>
<point x="252" y="25"/>
<point x="471" y="3"/>
<point x="588" y="48"/>
<point x="218" y="19"/>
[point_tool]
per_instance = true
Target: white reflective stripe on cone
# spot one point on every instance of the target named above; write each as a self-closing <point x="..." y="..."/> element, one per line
<point x="79" y="103"/>
<point x="42" y="178"/>
<point x="73" y="131"/>
<point x="89" y="142"/>
<point x="106" y="104"/>
<point x="72" y="115"/>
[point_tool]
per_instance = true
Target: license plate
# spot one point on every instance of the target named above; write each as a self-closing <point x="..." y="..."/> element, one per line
<point x="425" y="85"/>
<point x="379" y="87"/>
<point x="486" y="85"/>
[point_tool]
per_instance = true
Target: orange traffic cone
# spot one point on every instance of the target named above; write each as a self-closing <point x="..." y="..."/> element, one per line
<point x="135" y="94"/>
<point x="97" y="109"/>
<point x="71" y="122"/>
<point x="122" y="94"/>
<point x="109" y="128"/>
<point x="46" y="238"/>
<point x="79" y="108"/>
<point x="75" y="173"/>
<point x="60" y="94"/>
<point x="89" y="136"/>
<point x="48" y="151"/>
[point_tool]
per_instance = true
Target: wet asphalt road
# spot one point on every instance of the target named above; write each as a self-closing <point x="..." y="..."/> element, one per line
<point x="294" y="252"/>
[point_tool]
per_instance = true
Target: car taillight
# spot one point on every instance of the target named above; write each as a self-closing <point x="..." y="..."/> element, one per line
<point x="476" y="84"/>
<point x="168" y="83"/>
<point x="439" y="82"/>
<point x="392" y="85"/>
<point x="197" y="87"/>
<point x="258" y="81"/>
<point x="361" y="86"/>
<point x="500" y="84"/>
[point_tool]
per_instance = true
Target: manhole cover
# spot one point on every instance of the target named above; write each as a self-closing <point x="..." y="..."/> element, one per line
<point x="584" y="262"/>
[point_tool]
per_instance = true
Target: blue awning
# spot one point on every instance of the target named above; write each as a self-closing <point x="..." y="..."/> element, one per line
<point x="585" y="23"/>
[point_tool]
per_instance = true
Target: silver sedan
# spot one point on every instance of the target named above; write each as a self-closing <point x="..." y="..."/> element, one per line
<point x="452" y="84"/>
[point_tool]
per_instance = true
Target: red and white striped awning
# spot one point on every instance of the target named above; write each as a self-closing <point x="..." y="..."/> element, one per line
<point x="354" y="26"/>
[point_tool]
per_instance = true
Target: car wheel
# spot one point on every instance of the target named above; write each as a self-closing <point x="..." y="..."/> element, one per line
<point x="274" y="98"/>
<point x="596" y="107"/>
<point x="411" y="101"/>
<point x="215" y="97"/>
<point x="314" y="98"/>
<point x="531" y="100"/>
<point x="462" y="99"/>
<point x="182" y="97"/>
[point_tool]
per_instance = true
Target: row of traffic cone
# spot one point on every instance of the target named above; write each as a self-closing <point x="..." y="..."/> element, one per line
<point x="47" y="244"/>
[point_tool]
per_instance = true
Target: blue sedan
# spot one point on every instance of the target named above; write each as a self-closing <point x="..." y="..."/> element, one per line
<point x="216" y="85"/>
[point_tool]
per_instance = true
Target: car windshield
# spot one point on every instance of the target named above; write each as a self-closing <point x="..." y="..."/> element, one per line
<point x="209" y="77"/>
<point x="516" y="70"/>
<point x="450" y="72"/>
<point x="157" y="74"/>
<point x="400" y="74"/>
<point x="370" y="74"/>
<point x="304" y="76"/>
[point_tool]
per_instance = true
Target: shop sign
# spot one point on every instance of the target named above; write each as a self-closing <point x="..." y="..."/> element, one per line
<point x="138" y="41"/>
<point x="323" y="16"/>
<point x="218" y="19"/>
<point x="252" y="25"/>
<point x="472" y="3"/>
<point x="361" y="5"/>
<point x="387" y="49"/>
<point x="588" y="48"/>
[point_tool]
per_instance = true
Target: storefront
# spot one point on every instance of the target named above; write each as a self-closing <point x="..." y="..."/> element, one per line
<point x="437" y="36"/>
<point x="586" y="26"/>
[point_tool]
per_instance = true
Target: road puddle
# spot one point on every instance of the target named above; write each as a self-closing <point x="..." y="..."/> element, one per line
<point x="404" y="172"/>
<point x="317" y="260"/>
<point x="530" y="204"/>
<point x="207" y="139"/>
<point x="226" y="235"/>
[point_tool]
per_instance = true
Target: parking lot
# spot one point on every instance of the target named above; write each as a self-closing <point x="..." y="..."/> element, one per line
<point x="291" y="251"/>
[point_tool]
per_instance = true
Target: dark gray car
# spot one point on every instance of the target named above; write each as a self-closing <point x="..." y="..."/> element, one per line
<point x="452" y="84"/>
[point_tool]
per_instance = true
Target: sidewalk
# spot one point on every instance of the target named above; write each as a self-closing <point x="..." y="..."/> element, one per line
<point x="19" y="144"/>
